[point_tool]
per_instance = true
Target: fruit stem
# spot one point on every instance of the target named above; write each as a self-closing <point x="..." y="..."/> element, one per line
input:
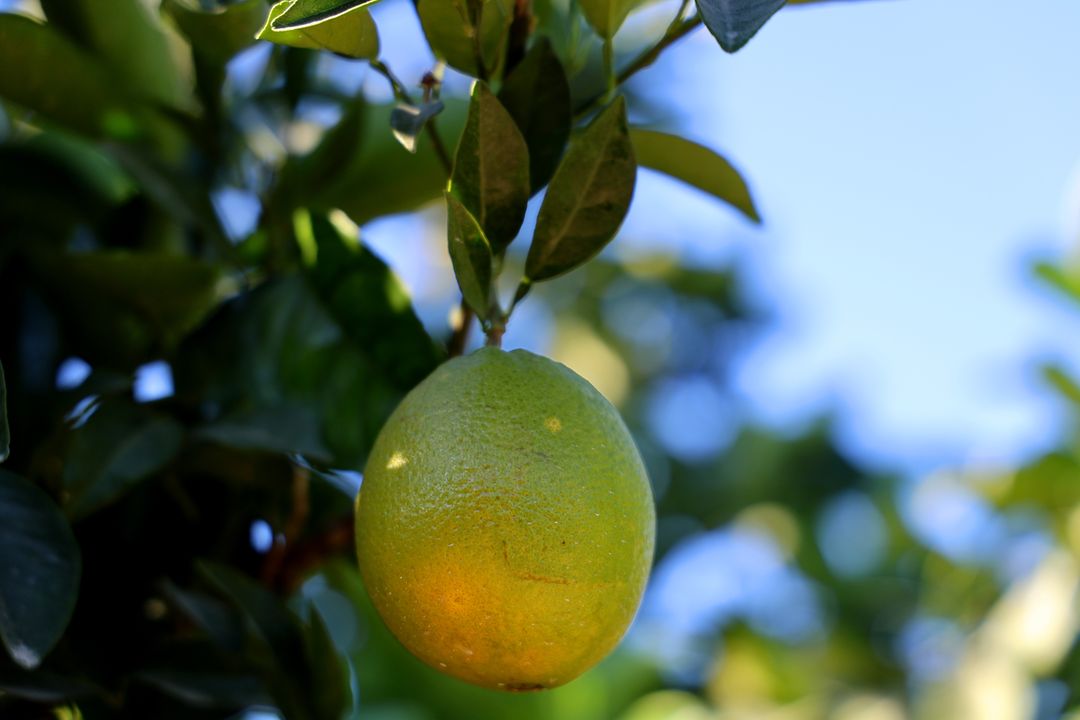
<point x="495" y="334"/>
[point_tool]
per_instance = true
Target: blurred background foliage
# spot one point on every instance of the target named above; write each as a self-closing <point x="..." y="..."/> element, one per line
<point x="198" y="349"/>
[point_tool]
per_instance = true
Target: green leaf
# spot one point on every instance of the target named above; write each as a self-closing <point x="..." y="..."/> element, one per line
<point x="470" y="254"/>
<point x="607" y="16"/>
<point x="734" y="22"/>
<point x="587" y="199"/>
<point x="131" y="41"/>
<point x="537" y="96"/>
<point x="46" y="72"/>
<point x="119" y="446"/>
<point x="1065" y="279"/>
<point x="5" y="431"/>
<point x="351" y="33"/>
<point x="39" y="571"/>
<point x="408" y="121"/>
<point x="467" y="43"/>
<point x="304" y="13"/>
<point x="220" y="34"/>
<point x="491" y="169"/>
<point x="695" y="165"/>
<point x="308" y="361"/>
<point x="123" y="308"/>
<point x="368" y="302"/>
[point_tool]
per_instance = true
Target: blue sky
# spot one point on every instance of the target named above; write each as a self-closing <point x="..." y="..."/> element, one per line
<point x="911" y="158"/>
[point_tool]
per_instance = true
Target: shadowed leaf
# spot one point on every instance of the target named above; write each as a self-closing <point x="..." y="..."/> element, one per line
<point x="39" y="571"/>
<point x="221" y="34"/>
<point x="491" y="169"/>
<point x="587" y="199"/>
<point x="470" y="254"/>
<point x="118" y="447"/>
<point x="537" y="96"/>
<point x="734" y="22"/>
<point x="44" y="71"/>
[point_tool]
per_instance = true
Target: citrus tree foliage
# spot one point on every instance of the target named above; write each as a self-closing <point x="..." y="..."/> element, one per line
<point x="189" y="555"/>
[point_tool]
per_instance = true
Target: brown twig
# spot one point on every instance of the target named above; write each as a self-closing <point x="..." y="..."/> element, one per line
<point x="299" y="508"/>
<point x="521" y="26"/>
<point x="313" y="551"/>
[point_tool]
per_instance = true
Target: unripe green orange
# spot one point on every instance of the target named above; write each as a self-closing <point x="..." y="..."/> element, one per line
<point x="505" y="524"/>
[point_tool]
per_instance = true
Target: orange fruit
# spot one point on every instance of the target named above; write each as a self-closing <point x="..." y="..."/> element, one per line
<point x="505" y="524"/>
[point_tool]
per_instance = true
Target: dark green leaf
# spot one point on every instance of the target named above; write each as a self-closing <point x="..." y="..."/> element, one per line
<point x="130" y="40"/>
<point x="368" y="302"/>
<point x="607" y="16"/>
<point x="46" y="72"/>
<point x="53" y="182"/>
<point x="286" y="428"/>
<point x="734" y="22"/>
<point x="175" y="191"/>
<point x="39" y="571"/>
<point x="587" y="199"/>
<point x="123" y="308"/>
<point x="330" y="687"/>
<point x="267" y="615"/>
<point x="472" y="45"/>
<point x="695" y="165"/>
<point x="207" y="689"/>
<point x="408" y="121"/>
<point x="537" y="96"/>
<point x="351" y="33"/>
<point x="309" y="361"/>
<point x="491" y="169"/>
<point x="470" y="254"/>
<point x="41" y="686"/>
<point x="221" y="623"/>
<point x="5" y="431"/>
<point x="118" y="447"/>
<point x="281" y="647"/>
<point x="304" y="13"/>
<point x="221" y="34"/>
